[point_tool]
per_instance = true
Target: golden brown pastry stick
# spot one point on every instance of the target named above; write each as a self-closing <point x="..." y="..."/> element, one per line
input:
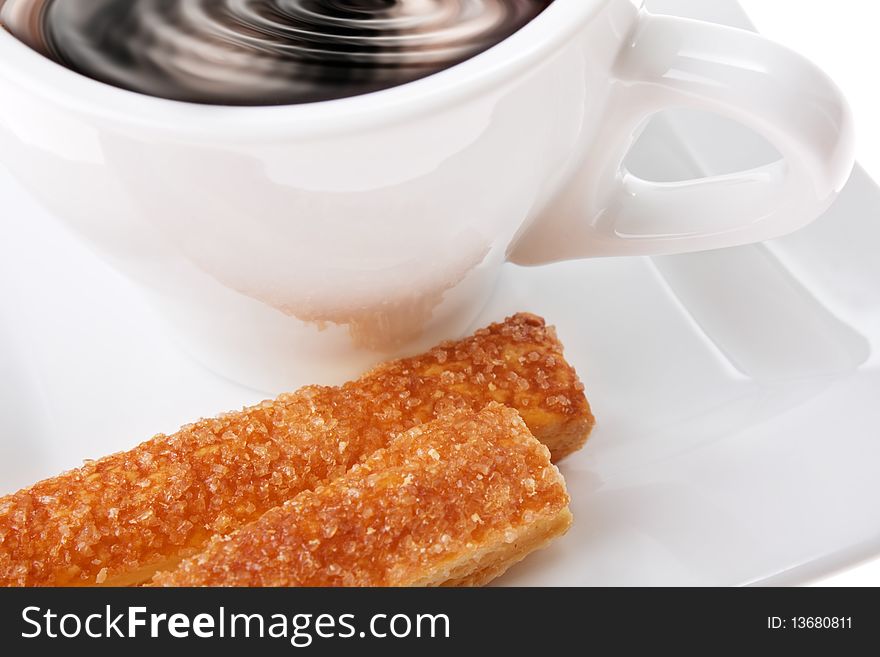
<point x="120" y="519"/>
<point x="456" y="501"/>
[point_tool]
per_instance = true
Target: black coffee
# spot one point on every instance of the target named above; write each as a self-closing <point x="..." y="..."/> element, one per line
<point x="262" y="52"/>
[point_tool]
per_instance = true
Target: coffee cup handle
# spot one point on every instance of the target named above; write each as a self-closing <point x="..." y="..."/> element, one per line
<point x="671" y="62"/>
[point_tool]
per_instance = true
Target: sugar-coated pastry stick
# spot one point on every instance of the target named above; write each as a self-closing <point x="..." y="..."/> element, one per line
<point x="456" y="501"/>
<point x="120" y="519"/>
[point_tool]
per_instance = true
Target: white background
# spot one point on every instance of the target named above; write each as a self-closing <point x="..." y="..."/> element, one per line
<point x="842" y="37"/>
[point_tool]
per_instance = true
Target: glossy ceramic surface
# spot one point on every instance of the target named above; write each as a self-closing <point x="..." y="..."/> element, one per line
<point x="736" y="391"/>
<point x="289" y="245"/>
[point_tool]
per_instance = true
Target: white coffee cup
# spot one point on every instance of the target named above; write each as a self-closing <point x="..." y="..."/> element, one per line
<point x="304" y="243"/>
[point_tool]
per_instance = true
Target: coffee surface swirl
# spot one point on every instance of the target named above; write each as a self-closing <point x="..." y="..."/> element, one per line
<point x="262" y="52"/>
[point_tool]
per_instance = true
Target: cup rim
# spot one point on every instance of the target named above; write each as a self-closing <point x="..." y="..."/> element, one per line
<point x="60" y="86"/>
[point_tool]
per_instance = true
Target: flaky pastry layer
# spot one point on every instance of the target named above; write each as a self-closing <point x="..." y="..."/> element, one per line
<point x="457" y="501"/>
<point x="120" y="519"/>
